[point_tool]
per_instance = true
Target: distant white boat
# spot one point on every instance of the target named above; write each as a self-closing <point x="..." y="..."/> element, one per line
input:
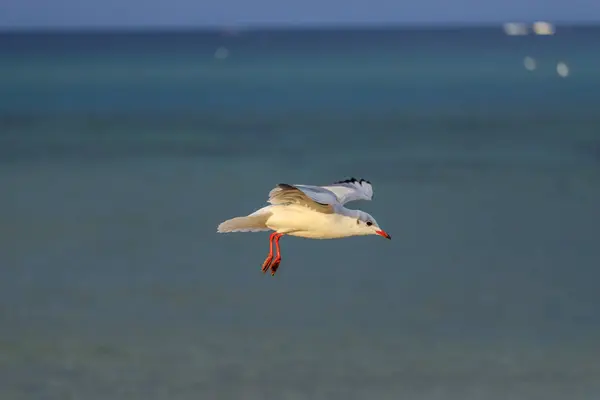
<point x="543" y="28"/>
<point x="515" y="29"/>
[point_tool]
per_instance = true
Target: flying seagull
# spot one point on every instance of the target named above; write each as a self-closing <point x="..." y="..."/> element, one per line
<point x="314" y="212"/>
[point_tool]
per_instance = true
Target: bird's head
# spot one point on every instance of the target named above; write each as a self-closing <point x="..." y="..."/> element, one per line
<point x="365" y="224"/>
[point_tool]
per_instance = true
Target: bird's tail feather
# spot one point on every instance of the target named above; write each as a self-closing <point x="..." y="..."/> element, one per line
<point x="250" y="223"/>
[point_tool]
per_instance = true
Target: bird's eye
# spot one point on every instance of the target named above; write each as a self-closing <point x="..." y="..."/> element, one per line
<point x="369" y="223"/>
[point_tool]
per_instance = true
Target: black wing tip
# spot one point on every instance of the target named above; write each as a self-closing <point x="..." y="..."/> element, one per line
<point x="285" y="186"/>
<point x="353" y="180"/>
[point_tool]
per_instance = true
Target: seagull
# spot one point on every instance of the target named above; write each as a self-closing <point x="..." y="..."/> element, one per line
<point x="314" y="212"/>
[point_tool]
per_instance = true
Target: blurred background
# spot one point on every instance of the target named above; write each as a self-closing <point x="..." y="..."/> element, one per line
<point x="129" y="130"/>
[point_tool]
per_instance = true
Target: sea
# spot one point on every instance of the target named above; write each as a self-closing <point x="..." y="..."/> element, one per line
<point x="121" y="152"/>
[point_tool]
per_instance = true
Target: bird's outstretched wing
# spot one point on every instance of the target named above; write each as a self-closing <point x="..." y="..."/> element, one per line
<point x="319" y="200"/>
<point x="345" y="191"/>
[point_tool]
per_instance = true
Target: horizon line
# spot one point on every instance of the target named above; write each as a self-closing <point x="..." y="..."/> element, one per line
<point x="287" y="26"/>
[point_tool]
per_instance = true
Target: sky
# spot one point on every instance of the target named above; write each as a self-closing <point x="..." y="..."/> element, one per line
<point x="198" y="13"/>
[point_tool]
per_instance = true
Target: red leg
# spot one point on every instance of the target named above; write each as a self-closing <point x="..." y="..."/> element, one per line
<point x="267" y="263"/>
<point x="277" y="260"/>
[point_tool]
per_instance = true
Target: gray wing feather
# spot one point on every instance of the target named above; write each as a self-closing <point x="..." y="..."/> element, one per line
<point x="351" y="190"/>
<point x="284" y="194"/>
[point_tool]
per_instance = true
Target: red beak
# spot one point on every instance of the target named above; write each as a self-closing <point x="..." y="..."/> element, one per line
<point x="382" y="233"/>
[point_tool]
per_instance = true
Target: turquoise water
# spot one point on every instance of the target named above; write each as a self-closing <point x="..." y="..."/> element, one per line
<point x="120" y="153"/>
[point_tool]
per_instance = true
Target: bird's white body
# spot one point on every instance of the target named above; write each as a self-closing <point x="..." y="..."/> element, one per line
<point x="296" y="220"/>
